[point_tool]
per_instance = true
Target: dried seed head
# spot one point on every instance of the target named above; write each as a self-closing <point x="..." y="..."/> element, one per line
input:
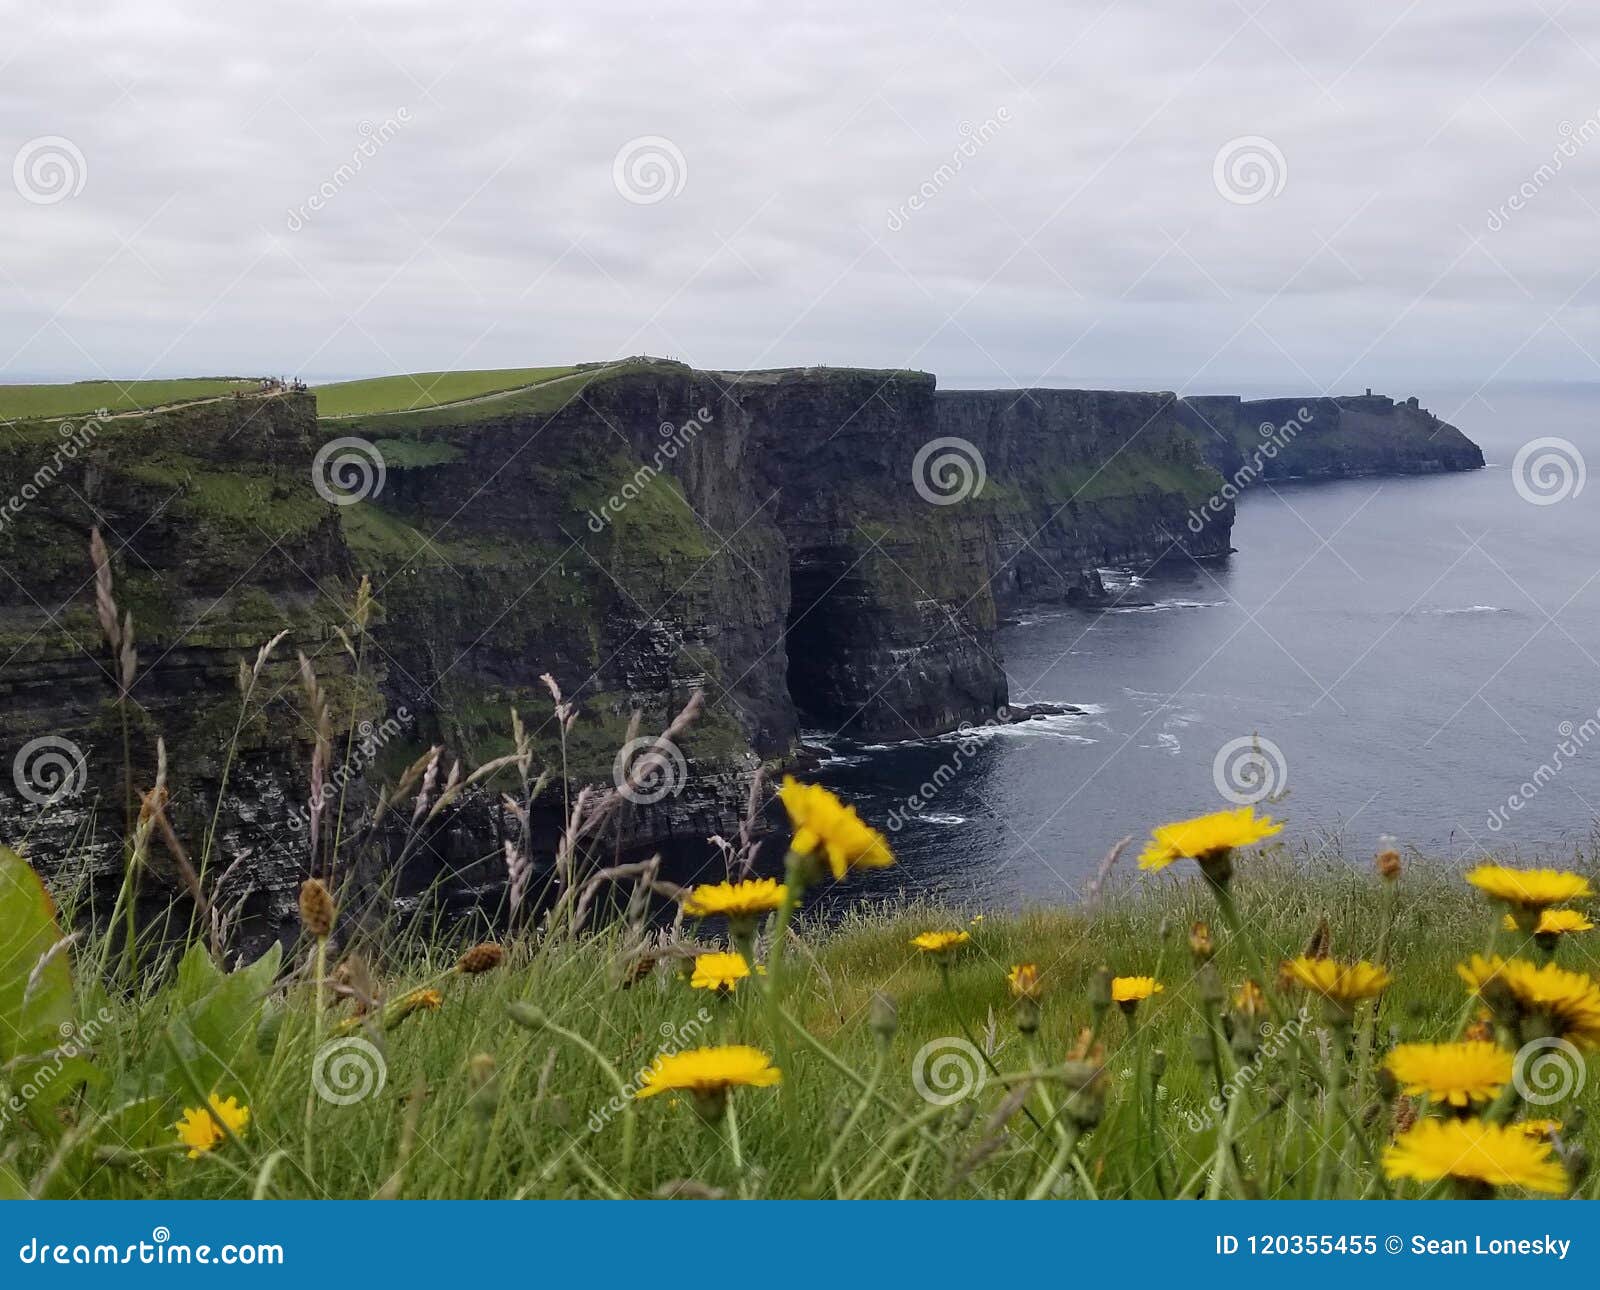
<point x="317" y="909"/>
<point x="480" y="958"/>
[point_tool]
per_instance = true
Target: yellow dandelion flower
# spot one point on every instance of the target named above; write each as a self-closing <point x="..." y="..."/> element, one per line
<point x="822" y="822"/>
<point x="1024" y="982"/>
<point x="1474" y="1152"/>
<point x="1554" y="922"/>
<point x="718" y="971"/>
<point x="1134" y="989"/>
<point x="1338" y="982"/>
<point x="1529" y="888"/>
<point x="1568" y="1003"/>
<point x="1206" y="838"/>
<point x="710" y="1070"/>
<point x="1539" y="1128"/>
<point x="201" y="1128"/>
<point x="1459" y="1073"/>
<point x="1250" y="1000"/>
<point x="940" y="942"/>
<point x="748" y="899"/>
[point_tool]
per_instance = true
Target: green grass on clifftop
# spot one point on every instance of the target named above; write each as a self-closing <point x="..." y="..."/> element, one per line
<point x="77" y="398"/>
<point x="425" y="389"/>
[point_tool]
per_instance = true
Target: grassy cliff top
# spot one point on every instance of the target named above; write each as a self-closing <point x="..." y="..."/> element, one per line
<point x="79" y="398"/>
<point x="412" y="391"/>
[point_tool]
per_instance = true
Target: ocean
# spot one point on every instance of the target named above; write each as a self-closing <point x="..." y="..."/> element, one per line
<point x="1412" y="656"/>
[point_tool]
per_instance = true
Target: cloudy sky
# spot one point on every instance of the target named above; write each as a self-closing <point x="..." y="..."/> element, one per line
<point x="1194" y="197"/>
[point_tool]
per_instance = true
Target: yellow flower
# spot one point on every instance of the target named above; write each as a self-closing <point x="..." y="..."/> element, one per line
<point x="721" y="972"/>
<point x="1529" y="888"/>
<point x="1568" y="1002"/>
<point x="748" y="899"/>
<point x="822" y="821"/>
<point x="1134" y="989"/>
<point x="1554" y="922"/>
<point x="709" y="1070"/>
<point x="1340" y="982"/>
<point x="940" y="942"/>
<point x="1474" y="1151"/>
<point x="1206" y="837"/>
<point x="201" y="1127"/>
<point x="1458" y="1073"/>
<point x="1539" y="1128"/>
<point x="1250" y="1000"/>
<point x="1024" y="982"/>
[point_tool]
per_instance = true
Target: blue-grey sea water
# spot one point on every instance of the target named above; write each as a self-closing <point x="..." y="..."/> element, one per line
<point x="1399" y="655"/>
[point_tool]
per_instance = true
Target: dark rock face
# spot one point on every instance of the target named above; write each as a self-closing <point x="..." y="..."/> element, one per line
<point x="819" y="545"/>
<point x="1325" y="438"/>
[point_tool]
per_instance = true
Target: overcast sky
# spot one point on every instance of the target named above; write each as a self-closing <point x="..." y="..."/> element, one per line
<point x="733" y="185"/>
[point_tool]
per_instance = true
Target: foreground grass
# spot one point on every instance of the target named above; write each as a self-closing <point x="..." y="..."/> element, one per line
<point x="425" y="389"/>
<point x="473" y="1104"/>
<point x="80" y="398"/>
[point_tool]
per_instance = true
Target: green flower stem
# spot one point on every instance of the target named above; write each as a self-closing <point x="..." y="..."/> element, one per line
<point x="868" y="1092"/>
<point x="1068" y="1144"/>
<point x="966" y="1031"/>
<point x="1329" y="1155"/>
<point x="530" y="1017"/>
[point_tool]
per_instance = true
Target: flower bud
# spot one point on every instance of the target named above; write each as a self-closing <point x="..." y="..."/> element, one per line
<point x="1388" y="860"/>
<point x="1100" y="991"/>
<point x="317" y="909"/>
<point x="484" y="957"/>
<point x="884" y="1018"/>
<point x="1201" y="944"/>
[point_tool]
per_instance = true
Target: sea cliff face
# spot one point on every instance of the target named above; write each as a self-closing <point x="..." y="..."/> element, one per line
<point x="806" y="546"/>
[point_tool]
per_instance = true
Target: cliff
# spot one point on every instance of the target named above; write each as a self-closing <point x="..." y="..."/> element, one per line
<point x="818" y="545"/>
<point x="1248" y="441"/>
